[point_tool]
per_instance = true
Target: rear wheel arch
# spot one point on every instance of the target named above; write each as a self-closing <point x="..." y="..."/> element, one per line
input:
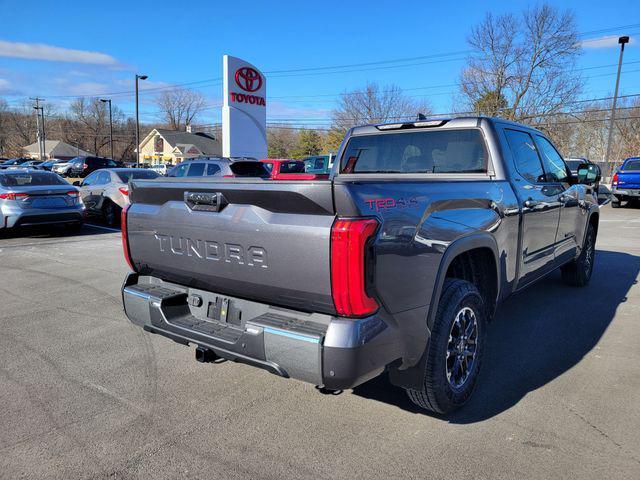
<point x="468" y="258"/>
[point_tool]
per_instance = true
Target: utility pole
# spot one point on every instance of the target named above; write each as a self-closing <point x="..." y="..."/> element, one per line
<point x="622" y="41"/>
<point x="108" y="100"/>
<point x="138" y="77"/>
<point x="38" y="134"/>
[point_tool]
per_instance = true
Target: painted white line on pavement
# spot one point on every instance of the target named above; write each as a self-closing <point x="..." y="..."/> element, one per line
<point x="103" y="228"/>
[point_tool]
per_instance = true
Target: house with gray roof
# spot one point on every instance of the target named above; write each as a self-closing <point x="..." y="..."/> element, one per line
<point x="162" y="145"/>
<point x="55" y="149"/>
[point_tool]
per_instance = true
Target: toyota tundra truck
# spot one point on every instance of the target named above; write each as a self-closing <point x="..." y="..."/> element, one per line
<point x="395" y="263"/>
<point x="625" y="184"/>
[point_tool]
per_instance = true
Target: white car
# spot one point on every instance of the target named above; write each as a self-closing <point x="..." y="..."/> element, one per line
<point x="161" y="168"/>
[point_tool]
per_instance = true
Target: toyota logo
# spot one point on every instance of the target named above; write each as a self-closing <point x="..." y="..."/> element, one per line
<point x="248" y="79"/>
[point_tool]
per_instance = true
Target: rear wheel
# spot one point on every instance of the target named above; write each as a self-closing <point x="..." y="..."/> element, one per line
<point x="455" y="350"/>
<point x="111" y="214"/>
<point x="578" y="272"/>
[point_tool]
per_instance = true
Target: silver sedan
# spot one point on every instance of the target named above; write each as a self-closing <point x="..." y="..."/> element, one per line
<point x="35" y="197"/>
<point x="105" y="192"/>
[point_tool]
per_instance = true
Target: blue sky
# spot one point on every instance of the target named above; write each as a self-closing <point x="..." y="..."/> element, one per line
<point x="180" y="42"/>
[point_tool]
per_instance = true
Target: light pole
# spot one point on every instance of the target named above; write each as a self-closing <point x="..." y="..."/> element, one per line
<point x="108" y="100"/>
<point x="138" y="77"/>
<point x="622" y="41"/>
<point x="41" y="145"/>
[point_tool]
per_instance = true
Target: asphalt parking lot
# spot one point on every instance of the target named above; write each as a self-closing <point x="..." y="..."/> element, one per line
<point x="85" y="394"/>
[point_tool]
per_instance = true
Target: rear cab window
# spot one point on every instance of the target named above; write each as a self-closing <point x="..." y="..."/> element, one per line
<point x="417" y="151"/>
<point x="632" y="164"/>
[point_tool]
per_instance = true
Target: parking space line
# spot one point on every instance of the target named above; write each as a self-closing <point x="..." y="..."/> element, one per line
<point x="109" y="229"/>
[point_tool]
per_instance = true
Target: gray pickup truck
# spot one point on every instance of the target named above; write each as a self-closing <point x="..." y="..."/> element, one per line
<point x="394" y="264"/>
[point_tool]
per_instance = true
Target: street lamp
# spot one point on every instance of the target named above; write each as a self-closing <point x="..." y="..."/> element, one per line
<point x="138" y="77"/>
<point x="108" y="100"/>
<point x="622" y="41"/>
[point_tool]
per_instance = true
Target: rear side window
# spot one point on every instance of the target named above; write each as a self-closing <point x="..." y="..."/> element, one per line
<point x="443" y="151"/>
<point x="212" y="169"/>
<point x="28" y="179"/>
<point x="525" y="155"/>
<point x="196" y="170"/>
<point x="292" y="167"/>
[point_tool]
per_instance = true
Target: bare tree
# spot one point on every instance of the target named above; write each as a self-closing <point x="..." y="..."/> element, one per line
<point x="282" y="141"/>
<point x="373" y="104"/>
<point x="180" y="107"/>
<point x="522" y="65"/>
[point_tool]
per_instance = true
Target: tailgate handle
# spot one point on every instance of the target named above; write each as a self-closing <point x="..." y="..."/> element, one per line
<point x="205" y="201"/>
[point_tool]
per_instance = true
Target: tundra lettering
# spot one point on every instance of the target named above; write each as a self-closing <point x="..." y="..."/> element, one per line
<point x="210" y="250"/>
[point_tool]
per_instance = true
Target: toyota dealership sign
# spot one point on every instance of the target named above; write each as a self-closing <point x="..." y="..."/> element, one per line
<point x="244" y="110"/>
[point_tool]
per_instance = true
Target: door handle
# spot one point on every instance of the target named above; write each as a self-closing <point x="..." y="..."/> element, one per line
<point x="531" y="203"/>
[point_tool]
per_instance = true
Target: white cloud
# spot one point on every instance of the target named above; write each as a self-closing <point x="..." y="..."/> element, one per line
<point x="602" y="42"/>
<point x="40" y="51"/>
<point x="5" y="86"/>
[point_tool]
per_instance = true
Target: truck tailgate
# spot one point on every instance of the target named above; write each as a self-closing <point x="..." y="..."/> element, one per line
<point x="261" y="240"/>
<point x="629" y="179"/>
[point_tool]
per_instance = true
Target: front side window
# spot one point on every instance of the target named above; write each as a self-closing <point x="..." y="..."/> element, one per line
<point x="90" y="180"/>
<point x="525" y="155"/>
<point x="179" y="171"/>
<point x="422" y="151"/>
<point x="554" y="167"/>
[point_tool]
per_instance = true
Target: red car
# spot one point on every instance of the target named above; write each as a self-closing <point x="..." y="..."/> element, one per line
<point x="283" y="169"/>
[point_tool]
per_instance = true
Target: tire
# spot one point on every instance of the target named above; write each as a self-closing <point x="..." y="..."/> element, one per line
<point x="578" y="272"/>
<point x="111" y="213"/>
<point x="446" y="387"/>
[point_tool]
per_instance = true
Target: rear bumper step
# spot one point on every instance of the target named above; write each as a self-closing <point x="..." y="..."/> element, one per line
<point x="315" y="348"/>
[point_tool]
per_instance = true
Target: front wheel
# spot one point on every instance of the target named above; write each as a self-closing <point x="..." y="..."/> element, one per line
<point x="455" y="349"/>
<point x="578" y="272"/>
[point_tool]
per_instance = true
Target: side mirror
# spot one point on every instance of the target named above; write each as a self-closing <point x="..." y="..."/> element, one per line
<point x="589" y="173"/>
<point x="76" y="183"/>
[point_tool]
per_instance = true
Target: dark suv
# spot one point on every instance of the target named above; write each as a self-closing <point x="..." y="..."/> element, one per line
<point x="83" y="166"/>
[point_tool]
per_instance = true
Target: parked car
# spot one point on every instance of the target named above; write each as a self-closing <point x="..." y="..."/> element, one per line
<point x="83" y="166"/>
<point x="105" y="192"/>
<point x="319" y="164"/>
<point x="396" y="263"/>
<point x="280" y="169"/>
<point x="31" y="197"/>
<point x="625" y="184"/>
<point x="219" y="167"/>
<point x="34" y="164"/>
<point x="574" y="163"/>
<point x="161" y="168"/>
<point x="48" y="165"/>
<point x="14" y="162"/>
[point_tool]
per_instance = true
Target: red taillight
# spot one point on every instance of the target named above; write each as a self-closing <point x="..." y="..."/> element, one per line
<point x="124" y="190"/>
<point x="614" y="180"/>
<point x="228" y="176"/>
<point x="348" y="254"/>
<point x="13" y="196"/>
<point x="85" y="166"/>
<point x="125" y="240"/>
<point x="73" y="193"/>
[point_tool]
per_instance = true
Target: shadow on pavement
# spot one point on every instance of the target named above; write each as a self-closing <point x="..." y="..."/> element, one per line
<point x="537" y="335"/>
<point x="54" y="231"/>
